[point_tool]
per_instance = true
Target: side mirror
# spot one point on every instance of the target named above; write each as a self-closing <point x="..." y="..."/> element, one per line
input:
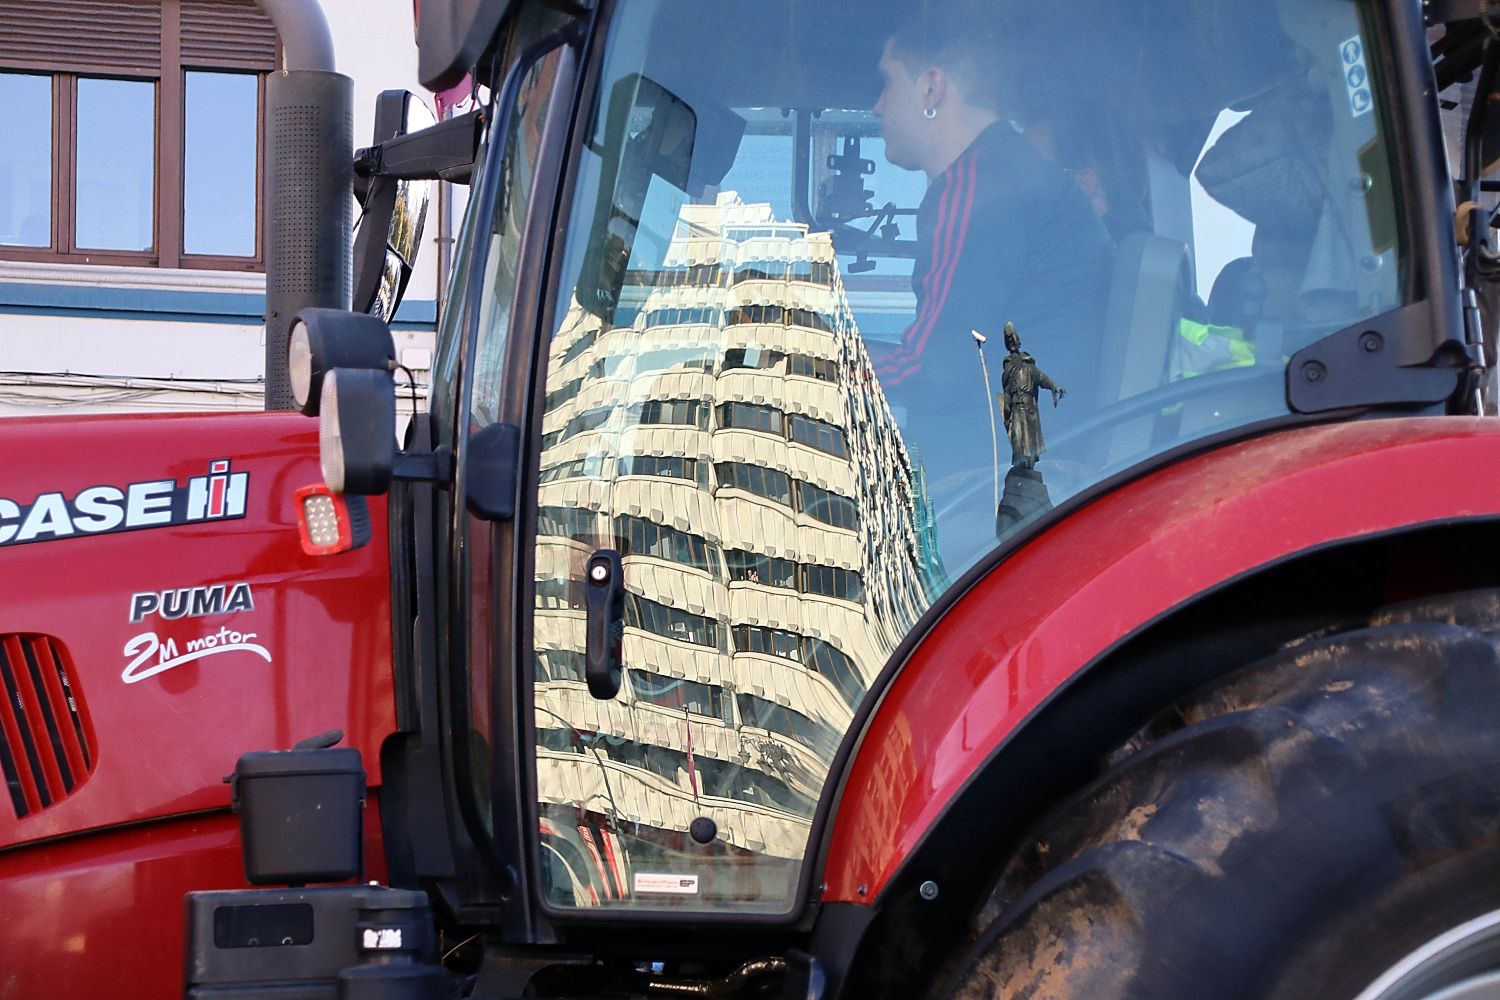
<point x="648" y="132"/>
<point x="395" y="208"/>
<point x="321" y="340"/>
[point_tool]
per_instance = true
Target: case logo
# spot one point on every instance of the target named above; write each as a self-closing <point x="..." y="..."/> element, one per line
<point x="103" y="510"/>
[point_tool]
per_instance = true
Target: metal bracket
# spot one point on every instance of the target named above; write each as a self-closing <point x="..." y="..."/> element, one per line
<point x="435" y="466"/>
<point x="494" y="456"/>
<point x="1361" y="366"/>
<point x="446" y="151"/>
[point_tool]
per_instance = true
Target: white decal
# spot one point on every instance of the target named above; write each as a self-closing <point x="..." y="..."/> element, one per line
<point x="149" y="503"/>
<point x="8" y="512"/>
<point x="383" y="937"/>
<point x="192" y="602"/>
<point x="217" y="493"/>
<point x="100" y="510"/>
<point x="1356" y="77"/>
<point x="48" y="516"/>
<point x="146" y="645"/>
<point x="677" y="885"/>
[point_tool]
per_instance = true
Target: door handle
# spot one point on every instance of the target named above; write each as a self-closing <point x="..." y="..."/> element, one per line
<point x="605" y="599"/>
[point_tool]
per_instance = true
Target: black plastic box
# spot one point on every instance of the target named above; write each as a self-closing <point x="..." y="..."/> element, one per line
<point x="300" y="815"/>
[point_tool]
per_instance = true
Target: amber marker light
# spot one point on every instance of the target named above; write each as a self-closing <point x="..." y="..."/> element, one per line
<point x="329" y="523"/>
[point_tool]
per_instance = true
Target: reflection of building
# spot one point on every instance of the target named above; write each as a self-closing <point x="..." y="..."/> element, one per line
<point x="727" y="436"/>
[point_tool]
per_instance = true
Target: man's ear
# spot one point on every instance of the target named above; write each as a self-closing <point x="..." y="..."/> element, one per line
<point x="933" y="84"/>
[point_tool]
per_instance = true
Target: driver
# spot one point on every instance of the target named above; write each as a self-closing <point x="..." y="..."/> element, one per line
<point x="1004" y="235"/>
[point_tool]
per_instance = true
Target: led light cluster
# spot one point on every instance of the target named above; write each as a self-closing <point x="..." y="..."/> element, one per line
<point x="322" y="521"/>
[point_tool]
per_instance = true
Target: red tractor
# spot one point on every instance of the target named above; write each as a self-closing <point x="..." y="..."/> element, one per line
<point x="704" y="638"/>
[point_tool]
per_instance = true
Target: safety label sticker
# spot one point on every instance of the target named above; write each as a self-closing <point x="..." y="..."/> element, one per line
<point x="677" y="885"/>
<point x="1356" y="76"/>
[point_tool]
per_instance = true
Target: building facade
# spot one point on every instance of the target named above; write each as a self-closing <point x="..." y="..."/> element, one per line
<point x="132" y="270"/>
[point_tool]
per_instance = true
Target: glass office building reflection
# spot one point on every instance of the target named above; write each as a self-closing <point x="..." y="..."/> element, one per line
<point x="725" y="433"/>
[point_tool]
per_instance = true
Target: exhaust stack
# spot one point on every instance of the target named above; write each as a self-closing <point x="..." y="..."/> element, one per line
<point x="309" y="178"/>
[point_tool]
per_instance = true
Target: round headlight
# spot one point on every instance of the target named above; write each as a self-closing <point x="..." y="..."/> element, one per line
<point x="330" y="435"/>
<point x="299" y="363"/>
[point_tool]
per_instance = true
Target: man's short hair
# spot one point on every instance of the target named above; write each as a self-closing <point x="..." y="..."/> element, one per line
<point x="965" y="40"/>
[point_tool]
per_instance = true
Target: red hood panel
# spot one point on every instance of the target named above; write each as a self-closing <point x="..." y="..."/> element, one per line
<point x="162" y="552"/>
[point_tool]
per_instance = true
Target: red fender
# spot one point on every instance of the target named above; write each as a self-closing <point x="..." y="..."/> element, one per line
<point x="1114" y="565"/>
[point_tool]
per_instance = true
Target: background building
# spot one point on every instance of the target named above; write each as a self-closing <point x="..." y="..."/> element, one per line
<point x="131" y="197"/>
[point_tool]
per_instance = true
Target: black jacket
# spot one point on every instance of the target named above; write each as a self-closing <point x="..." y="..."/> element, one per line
<point x="1003" y="235"/>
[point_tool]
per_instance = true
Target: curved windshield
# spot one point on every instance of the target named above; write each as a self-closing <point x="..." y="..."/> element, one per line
<point x="851" y="295"/>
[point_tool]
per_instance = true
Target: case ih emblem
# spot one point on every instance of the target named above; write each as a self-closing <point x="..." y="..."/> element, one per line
<point x="209" y="496"/>
<point x="103" y="510"/>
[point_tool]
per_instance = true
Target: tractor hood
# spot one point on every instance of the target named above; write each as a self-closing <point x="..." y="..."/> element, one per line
<point x="158" y="616"/>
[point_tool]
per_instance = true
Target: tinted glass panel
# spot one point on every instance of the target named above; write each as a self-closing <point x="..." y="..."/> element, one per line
<point x="219" y="164"/>
<point x="26" y="160"/>
<point x="116" y="164"/>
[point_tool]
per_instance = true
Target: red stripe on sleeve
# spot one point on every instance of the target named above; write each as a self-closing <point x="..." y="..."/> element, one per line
<point x="895" y="364"/>
<point x="949" y="237"/>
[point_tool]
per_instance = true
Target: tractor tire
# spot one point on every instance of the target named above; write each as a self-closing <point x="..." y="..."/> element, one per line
<point x="1292" y="831"/>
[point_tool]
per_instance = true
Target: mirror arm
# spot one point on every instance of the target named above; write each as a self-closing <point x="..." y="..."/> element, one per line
<point x="444" y="152"/>
<point x="802" y="169"/>
<point x="435" y="466"/>
<point x="371" y="244"/>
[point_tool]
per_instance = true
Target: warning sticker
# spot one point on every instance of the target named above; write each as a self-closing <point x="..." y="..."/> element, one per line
<point x="678" y="885"/>
<point x="1356" y="76"/>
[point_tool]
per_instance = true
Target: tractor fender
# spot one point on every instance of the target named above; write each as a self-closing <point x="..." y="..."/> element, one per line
<point x="1034" y="620"/>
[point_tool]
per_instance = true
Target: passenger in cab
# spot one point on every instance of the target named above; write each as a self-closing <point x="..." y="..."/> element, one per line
<point x="1004" y="235"/>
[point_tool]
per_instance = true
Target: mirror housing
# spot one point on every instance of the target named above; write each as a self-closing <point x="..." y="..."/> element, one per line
<point x="357" y="430"/>
<point x="321" y="340"/>
<point x="452" y="35"/>
<point x="395" y="206"/>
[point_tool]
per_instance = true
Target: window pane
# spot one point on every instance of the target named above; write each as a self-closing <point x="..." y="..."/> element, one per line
<point x="26" y="160"/>
<point x="116" y="157"/>
<point x="218" y="205"/>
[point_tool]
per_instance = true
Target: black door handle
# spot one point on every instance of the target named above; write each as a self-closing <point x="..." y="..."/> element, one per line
<point x="605" y="599"/>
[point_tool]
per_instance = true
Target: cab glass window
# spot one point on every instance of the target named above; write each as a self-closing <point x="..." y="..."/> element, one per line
<point x="847" y="301"/>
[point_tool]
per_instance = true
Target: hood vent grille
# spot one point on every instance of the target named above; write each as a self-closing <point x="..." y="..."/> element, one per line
<point x="46" y="740"/>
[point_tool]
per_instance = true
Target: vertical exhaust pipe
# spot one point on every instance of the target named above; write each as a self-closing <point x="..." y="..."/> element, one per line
<point x="309" y="183"/>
